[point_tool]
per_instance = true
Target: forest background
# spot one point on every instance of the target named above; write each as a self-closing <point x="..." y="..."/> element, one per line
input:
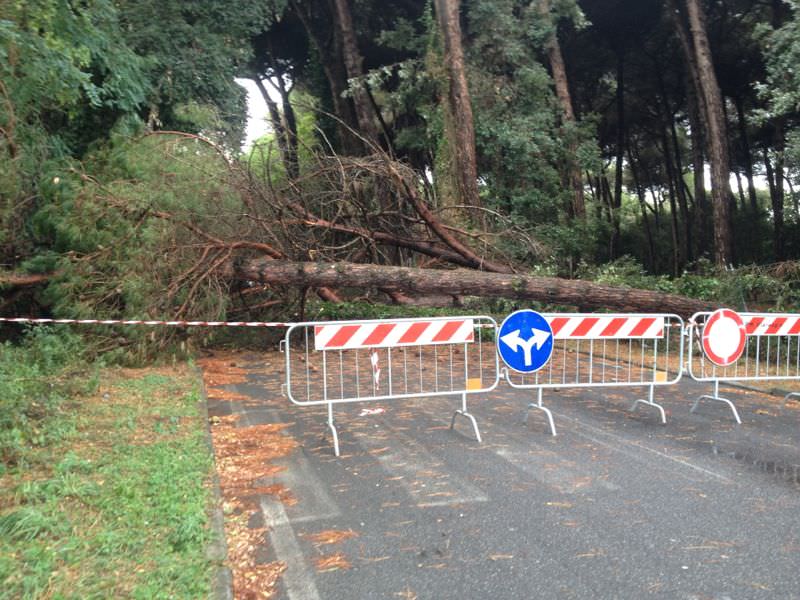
<point x="544" y="138"/>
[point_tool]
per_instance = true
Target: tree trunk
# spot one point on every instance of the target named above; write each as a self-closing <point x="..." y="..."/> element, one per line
<point x="617" y="207"/>
<point x="676" y="176"/>
<point x="717" y="136"/>
<point x="277" y="127"/>
<point x="329" y="51"/>
<point x="465" y="282"/>
<point x="746" y="152"/>
<point x="559" y="70"/>
<point x="698" y="164"/>
<point x="651" y="248"/>
<point x="462" y="132"/>
<point x="354" y="66"/>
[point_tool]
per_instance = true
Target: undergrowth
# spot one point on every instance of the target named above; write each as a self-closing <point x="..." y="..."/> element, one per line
<point x="118" y="506"/>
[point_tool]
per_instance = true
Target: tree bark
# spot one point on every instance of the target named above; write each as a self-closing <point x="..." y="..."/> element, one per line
<point x="698" y="164"/>
<point x="329" y="50"/>
<point x="717" y="136"/>
<point x="559" y="71"/>
<point x="354" y="66"/>
<point x="589" y="296"/>
<point x="462" y="132"/>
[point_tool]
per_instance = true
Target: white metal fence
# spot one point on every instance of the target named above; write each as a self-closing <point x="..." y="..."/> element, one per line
<point x="341" y="362"/>
<point x="608" y="350"/>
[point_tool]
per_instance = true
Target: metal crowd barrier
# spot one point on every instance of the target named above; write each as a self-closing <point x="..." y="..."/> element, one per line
<point x="608" y="350"/>
<point x="341" y="362"/>
<point x="770" y="349"/>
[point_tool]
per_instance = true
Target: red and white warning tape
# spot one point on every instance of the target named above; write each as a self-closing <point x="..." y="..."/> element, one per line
<point x="142" y="322"/>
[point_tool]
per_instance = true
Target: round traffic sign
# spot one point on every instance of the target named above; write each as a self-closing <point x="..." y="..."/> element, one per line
<point x="724" y="337"/>
<point x="525" y="341"/>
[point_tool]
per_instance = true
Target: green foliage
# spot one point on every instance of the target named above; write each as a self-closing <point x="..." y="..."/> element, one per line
<point x="33" y="389"/>
<point x="123" y="512"/>
<point x="193" y="50"/>
<point x="122" y="242"/>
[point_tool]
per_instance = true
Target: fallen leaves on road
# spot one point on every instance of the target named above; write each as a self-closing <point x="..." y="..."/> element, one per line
<point x="333" y="562"/>
<point x="330" y="536"/>
<point x="244" y="458"/>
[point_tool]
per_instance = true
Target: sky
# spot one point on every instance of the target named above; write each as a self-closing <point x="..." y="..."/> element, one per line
<point x="257" y="122"/>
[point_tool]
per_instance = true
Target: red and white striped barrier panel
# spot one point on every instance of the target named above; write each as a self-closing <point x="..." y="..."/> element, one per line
<point x="771" y="324"/>
<point x="392" y="334"/>
<point x="36" y="321"/>
<point x="608" y="350"/>
<point x="340" y="362"/>
<point x="596" y="327"/>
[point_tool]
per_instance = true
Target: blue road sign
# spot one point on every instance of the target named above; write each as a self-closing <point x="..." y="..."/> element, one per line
<point x="525" y="341"/>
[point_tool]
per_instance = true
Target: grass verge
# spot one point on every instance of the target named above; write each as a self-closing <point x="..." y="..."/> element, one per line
<point x="119" y="506"/>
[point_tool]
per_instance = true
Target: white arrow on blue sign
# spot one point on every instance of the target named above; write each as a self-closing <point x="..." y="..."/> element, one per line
<point x="525" y="341"/>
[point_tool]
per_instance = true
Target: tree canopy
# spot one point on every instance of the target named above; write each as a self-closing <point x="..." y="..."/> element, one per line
<point x="558" y="137"/>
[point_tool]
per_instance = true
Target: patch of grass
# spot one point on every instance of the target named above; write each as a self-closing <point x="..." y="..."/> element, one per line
<point x="118" y="508"/>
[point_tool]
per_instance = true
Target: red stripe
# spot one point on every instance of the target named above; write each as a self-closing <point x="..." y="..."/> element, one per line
<point x="613" y="327"/>
<point x="753" y="324"/>
<point x="776" y="325"/>
<point x="378" y="334"/>
<point x="342" y="336"/>
<point x="643" y="326"/>
<point x="446" y="332"/>
<point x="796" y="328"/>
<point x="317" y="330"/>
<point x="585" y="326"/>
<point x="413" y="333"/>
<point x="557" y="324"/>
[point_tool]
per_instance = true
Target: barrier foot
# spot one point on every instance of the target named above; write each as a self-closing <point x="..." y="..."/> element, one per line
<point x="651" y="402"/>
<point x="332" y="427"/>
<point x="787" y="397"/>
<point x="718" y="398"/>
<point x="544" y="409"/>
<point x="465" y="413"/>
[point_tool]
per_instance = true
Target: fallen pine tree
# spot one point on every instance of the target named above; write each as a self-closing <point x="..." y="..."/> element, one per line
<point x="583" y="295"/>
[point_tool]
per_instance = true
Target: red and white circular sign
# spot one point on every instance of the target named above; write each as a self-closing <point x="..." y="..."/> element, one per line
<point x="724" y="337"/>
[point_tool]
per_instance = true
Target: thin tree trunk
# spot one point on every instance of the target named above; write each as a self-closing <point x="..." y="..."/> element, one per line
<point x="746" y="151"/>
<point x="698" y="165"/>
<point x="464" y="282"/>
<point x="462" y="132"/>
<point x="276" y="121"/>
<point x="559" y="70"/>
<point x="354" y="66"/>
<point x="651" y="248"/>
<point x="676" y="176"/>
<point x="717" y="136"/>
<point x="330" y="56"/>
<point x="617" y="205"/>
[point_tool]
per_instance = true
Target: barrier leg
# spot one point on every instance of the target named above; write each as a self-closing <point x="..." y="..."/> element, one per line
<point x="718" y="398"/>
<point x="538" y="404"/>
<point x="650" y="402"/>
<point x="332" y="427"/>
<point x="465" y="413"/>
<point x="787" y="397"/>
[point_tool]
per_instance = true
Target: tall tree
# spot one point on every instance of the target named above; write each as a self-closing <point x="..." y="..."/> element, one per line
<point x="462" y="130"/>
<point x="717" y="135"/>
<point x="561" y="82"/>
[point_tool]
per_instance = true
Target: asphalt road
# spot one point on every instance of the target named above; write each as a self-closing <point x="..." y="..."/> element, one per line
<point x="616" y="506"/>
